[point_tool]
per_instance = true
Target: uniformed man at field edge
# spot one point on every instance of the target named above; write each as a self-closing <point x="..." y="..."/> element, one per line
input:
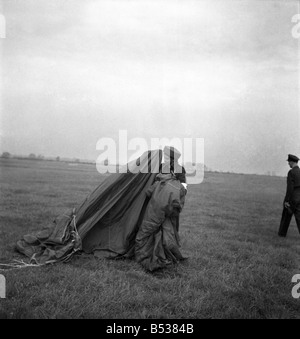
<point x="291" y="204"/>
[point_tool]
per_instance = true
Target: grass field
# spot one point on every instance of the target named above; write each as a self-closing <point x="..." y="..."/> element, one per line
<point x="238" y="267"/>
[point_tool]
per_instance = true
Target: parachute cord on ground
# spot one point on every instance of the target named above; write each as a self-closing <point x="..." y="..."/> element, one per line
<point x="18" y="264"/>
<point x="74" y="221"/>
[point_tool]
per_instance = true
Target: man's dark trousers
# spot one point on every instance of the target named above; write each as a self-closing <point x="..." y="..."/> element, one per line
<point x="287" y="215"/>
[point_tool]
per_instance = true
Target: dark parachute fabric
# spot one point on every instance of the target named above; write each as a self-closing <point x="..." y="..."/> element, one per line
<point x="105" y="224"/>
<point x="113" y="234"/>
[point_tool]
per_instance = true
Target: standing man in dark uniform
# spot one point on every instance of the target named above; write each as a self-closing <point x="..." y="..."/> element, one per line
<point x="291" y="204"/>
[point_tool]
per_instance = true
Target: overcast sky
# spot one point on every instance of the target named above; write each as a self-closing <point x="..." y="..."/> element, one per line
<point x="226" y="71"/>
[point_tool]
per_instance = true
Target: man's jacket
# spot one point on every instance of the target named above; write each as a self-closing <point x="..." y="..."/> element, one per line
<point x="293" y="183"/>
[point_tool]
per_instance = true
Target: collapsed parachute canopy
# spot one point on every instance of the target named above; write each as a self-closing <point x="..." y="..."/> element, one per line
<point x="107" y="221"/>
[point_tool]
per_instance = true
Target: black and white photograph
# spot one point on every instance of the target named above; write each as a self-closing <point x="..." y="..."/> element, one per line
<point x="149" y="162"/>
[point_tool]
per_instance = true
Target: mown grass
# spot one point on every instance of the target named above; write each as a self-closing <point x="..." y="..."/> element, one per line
<point x="238" y="267"/>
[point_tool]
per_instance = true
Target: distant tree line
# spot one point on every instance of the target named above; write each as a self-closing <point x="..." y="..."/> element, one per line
<point x="40" y="157"/>
<point x="31" y="156"/>
<point x="6" y="155"/>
